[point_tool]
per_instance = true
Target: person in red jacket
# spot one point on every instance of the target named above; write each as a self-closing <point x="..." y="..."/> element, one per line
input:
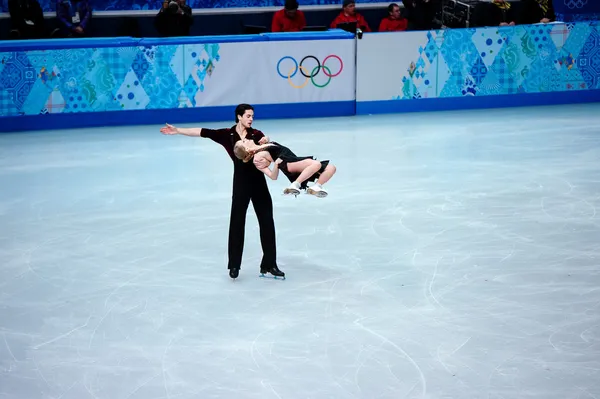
<point x="394" y="22"/>
<point x="349" y="15"/>
<point x="289" y="19"/>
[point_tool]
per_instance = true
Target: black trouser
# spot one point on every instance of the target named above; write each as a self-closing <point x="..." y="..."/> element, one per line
<point x="251" y="186"/>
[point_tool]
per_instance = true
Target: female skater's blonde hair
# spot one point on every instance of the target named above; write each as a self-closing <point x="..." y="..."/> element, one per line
<point x="241" y="152"/>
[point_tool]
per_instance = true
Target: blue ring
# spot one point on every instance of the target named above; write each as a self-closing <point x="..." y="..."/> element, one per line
<point x="295" y="71"/>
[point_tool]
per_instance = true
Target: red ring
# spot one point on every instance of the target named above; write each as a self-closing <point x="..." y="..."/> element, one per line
<point x="341" y="66"/>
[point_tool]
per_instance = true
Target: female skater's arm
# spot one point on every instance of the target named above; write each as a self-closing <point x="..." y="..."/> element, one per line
<point x="262" y="147"/>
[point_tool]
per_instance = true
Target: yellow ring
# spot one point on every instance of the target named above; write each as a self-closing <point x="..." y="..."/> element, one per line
<point x="290" y="78"/>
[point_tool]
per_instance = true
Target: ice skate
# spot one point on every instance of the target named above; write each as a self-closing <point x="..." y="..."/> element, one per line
<point x="274" y="271"/>
<point x="293" y="189"/>
<point x="317" y="191"/>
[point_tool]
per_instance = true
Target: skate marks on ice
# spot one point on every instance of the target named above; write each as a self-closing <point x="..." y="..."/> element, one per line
<point x="508" y="259"/>
<point x="443" y="264"/>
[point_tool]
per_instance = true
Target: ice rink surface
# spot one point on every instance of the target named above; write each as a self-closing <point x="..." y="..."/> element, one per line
<point x="457" y="256"/>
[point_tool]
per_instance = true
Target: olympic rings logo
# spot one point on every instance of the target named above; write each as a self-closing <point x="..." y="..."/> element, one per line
<point x="575" y="3"/>
<point x="309" y="76"/>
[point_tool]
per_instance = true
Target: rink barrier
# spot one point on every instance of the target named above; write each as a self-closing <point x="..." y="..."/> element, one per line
<point x="480" y="102"/>
<point x="492" y="67"/>
<point x="56" y="84"/>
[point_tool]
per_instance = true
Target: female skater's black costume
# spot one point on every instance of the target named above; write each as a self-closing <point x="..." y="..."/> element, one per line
<point x="280" y="151"/>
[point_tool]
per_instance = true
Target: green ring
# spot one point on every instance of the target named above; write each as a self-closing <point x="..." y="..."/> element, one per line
<point x="312" y="76"/>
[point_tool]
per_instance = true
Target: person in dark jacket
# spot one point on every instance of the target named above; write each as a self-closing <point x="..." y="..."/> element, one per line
<point x="419" y="14"/>
<point x="73" y="17"/>
<point x="536" y="11"/>
<point x="174" y="19"/>
<point x="500" y="13"/>
<point x="26" y="19"/>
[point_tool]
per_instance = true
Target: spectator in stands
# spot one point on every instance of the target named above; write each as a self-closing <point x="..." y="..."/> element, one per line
<point x="500" y="14"/>
<point x="349" y="15"/>
<point x="419" y="13"/>
<point x="288" y="19"/>
<point x="26" y="19"/>
<point x="536" y="11"/>
<point x="174" y="19"/>
<point x="394" y="21"/>
<point x="73" y="17"/>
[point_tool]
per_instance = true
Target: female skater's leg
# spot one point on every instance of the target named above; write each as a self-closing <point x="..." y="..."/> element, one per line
<point x="306" y="168"/>
<point x="317" y="188"/>
<point x="326" y="175"/>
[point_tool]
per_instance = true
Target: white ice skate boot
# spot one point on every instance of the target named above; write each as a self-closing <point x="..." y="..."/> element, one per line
<point x="293" y="189"/>
<point x="317" y="191"/>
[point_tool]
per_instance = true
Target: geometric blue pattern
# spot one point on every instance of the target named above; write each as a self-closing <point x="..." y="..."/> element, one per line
<point x="506" y="60"/>
<point x="588" y="61"/>
<point x="191" y="88"/>
<point x="37" y="98"/>
<point x="103" y="79"/>
<point x="478" y="71"/>
<point x="17" y="78"/>
<point x="458" y="50"/>
<point x="7" y="104"/>
<point x="140" y="65"/>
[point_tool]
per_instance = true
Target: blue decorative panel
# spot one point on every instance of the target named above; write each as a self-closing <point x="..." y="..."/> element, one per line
<point x="117" y="74"/>
<point x="588" y="61"/>
<point x="499" y="61"/>
<point x="103" y="79"/>
<point x="577" y="10"/>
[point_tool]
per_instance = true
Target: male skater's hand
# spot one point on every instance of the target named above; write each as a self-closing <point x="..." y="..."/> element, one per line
<point x="168" y="129"/>
<point x="261" y="163"/>
<point x="264" y="140"/>
<point x="278" y="161"/>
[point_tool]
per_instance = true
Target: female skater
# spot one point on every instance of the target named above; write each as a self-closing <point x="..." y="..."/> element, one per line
<point x="299" y="170"/>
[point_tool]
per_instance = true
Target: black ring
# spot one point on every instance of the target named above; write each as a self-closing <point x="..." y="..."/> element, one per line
<point x="318" y="66"/>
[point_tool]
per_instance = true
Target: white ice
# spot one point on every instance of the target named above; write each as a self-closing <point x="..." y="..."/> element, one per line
<point x="457" y="256"/>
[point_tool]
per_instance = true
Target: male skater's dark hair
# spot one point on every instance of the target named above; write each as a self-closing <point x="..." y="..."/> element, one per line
<point x="241" y="109"/>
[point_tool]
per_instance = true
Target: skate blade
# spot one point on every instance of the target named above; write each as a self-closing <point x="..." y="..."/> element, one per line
<point x="262" y="275"/>
<point x="289" y="191"/>
<point x="318" y="194"/>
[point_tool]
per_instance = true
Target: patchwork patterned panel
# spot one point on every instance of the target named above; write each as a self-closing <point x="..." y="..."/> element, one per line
<point x="505" y="60"/>
<point x="450" y="63"/>
<point x="105" y="79"/>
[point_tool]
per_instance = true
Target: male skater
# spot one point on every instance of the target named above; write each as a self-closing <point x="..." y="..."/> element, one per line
<point x="248" y="184"/>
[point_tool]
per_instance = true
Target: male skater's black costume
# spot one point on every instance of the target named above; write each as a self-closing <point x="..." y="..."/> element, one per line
<point x="248" y="184"/>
